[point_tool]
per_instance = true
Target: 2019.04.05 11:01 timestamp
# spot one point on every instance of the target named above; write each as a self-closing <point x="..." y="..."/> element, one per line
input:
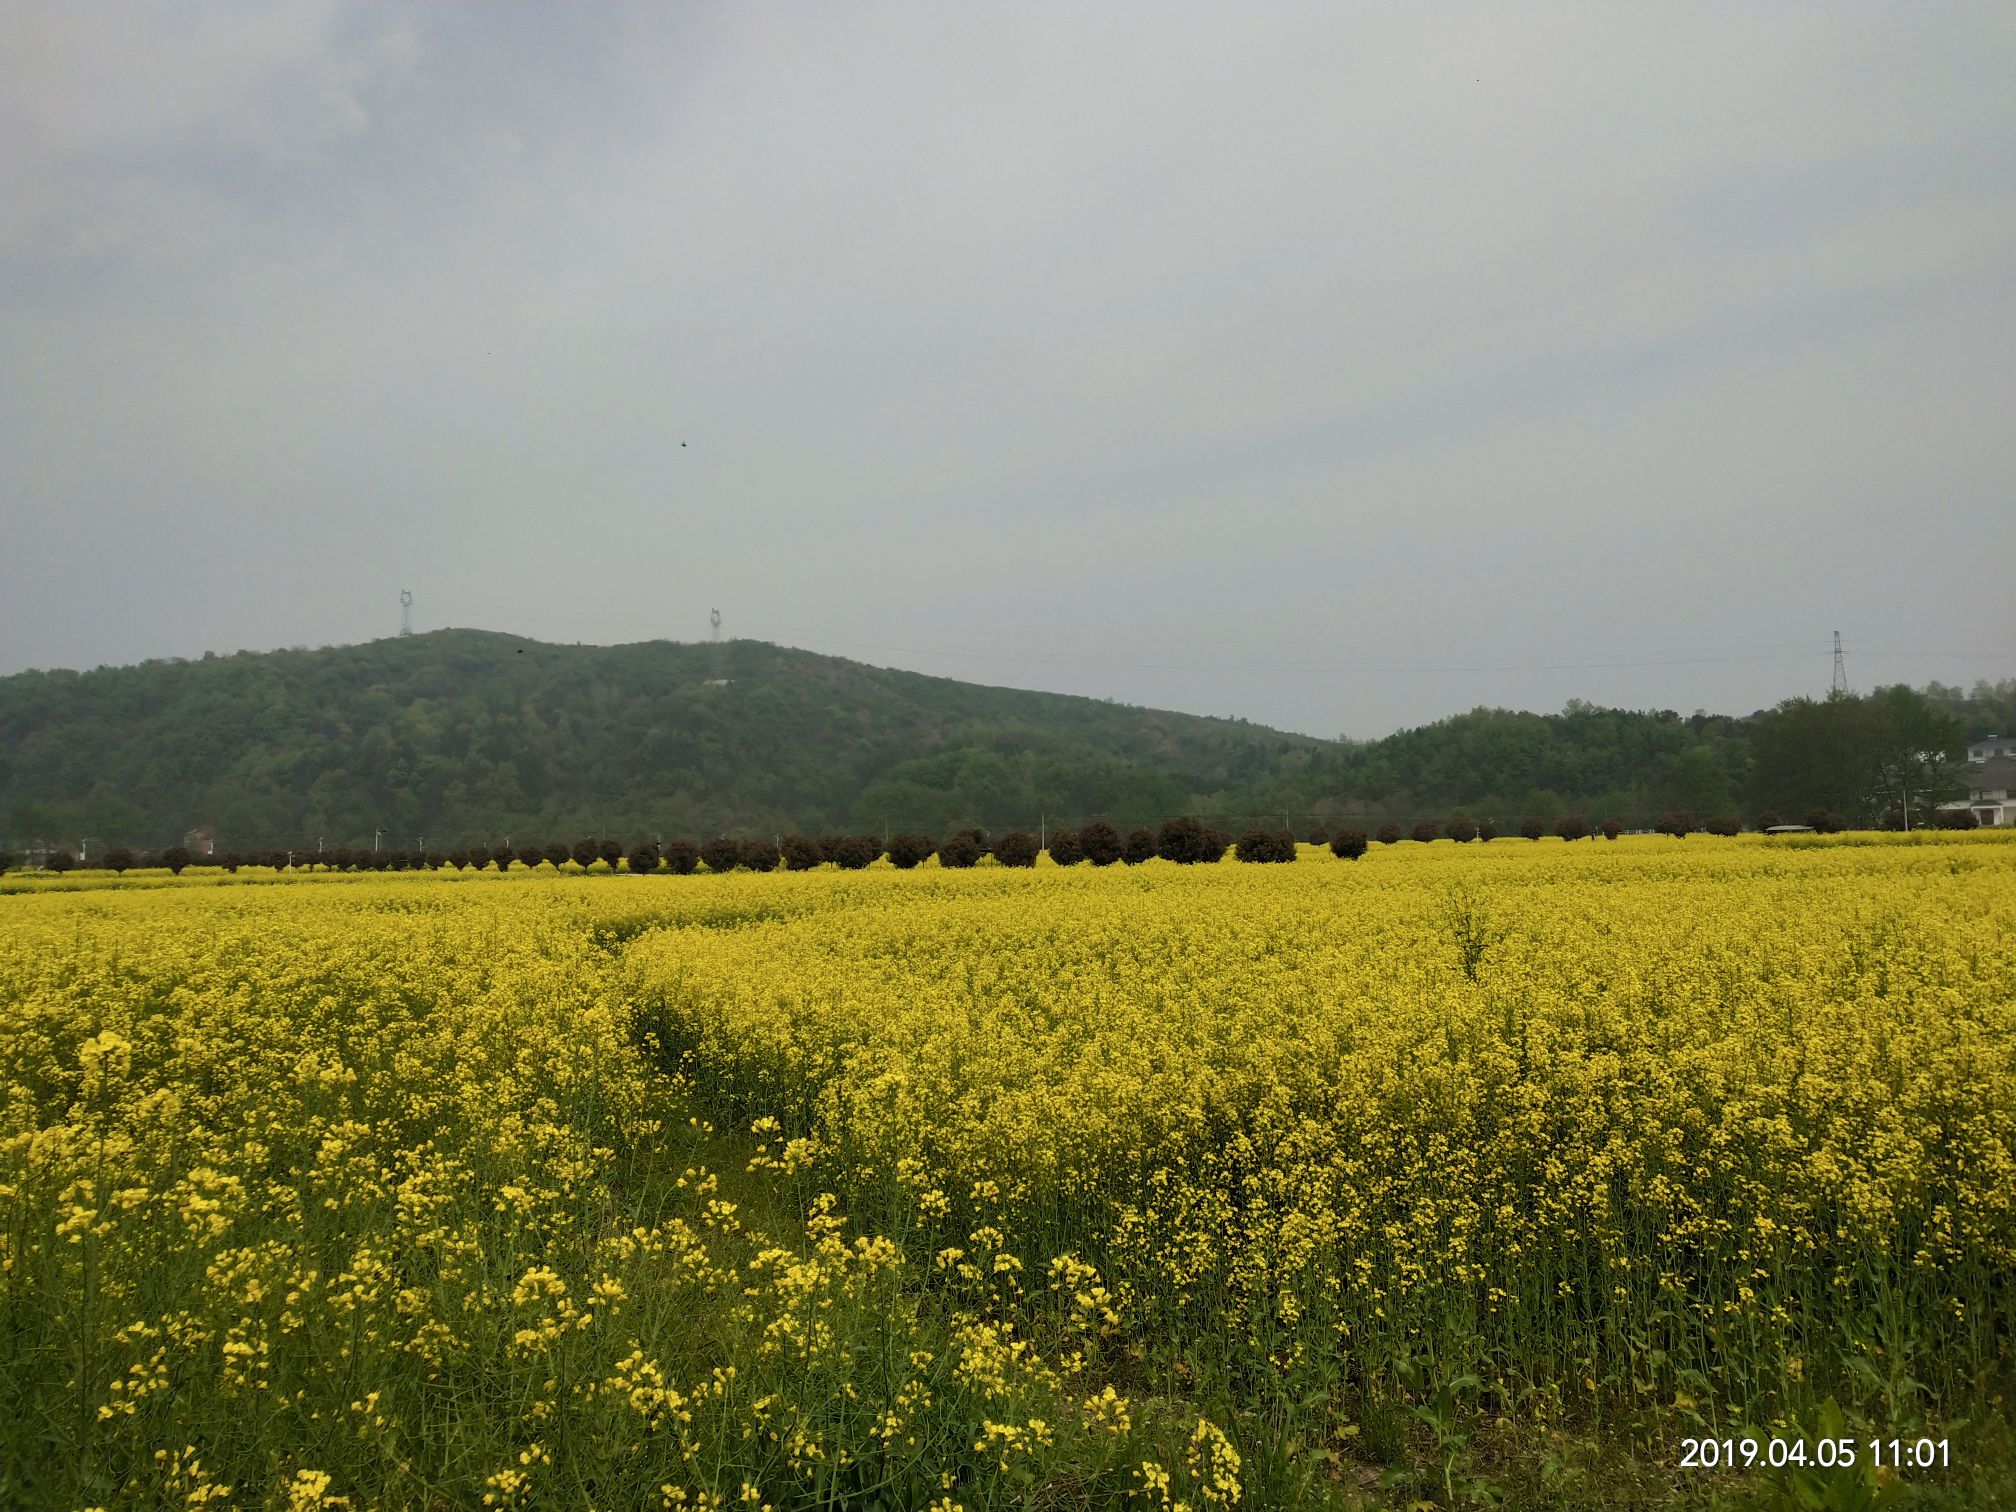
<point x="1823" y="1453"/>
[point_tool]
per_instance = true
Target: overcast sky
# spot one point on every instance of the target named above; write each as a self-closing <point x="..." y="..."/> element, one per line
<point x="1340" y="367"/>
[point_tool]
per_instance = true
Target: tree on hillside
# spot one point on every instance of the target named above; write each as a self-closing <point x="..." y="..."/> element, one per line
<point x="1698" y="781"/>
<point x="1809" y="753"/>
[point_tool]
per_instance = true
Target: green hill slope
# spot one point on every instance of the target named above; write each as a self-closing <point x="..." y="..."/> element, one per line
<point x="465" y="734"/>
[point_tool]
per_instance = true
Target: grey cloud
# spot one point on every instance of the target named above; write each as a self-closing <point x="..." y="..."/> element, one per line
<point x="1052" y="345"/>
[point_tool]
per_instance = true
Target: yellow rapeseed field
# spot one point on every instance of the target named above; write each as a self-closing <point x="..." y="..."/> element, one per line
<point x="1148" y="1187"/>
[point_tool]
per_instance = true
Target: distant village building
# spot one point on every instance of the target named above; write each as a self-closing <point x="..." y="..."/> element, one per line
<point x="1994" y="745"/>
<point x="200" y="842"/>
<point x="1991" y="789"/>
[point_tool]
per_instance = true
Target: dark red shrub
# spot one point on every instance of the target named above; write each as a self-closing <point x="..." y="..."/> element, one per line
<point x="1611" y="829"/>
<point x="1574" y="827"/>
<point x="1016" y="848"/>
<point x="118" y="859"/>
<point x="680" y="857"/>
<point x="1427" y="830"/>
<point x="1487" y="831"/>
<point x="1064" y="847"/>
<point x="175" y="858"/>
<point x="1139" y="847"/>
<point x="850" y="852"/>
<point x="1266" y="845"/>
<point x="959" y="851"/>
<point x="721" y="854"/>
<point x="1184" y="841"/>
<point x="1100" y="842"/>
<point x="760" y="855"/>
<point x="1462" y="831"/>
<point x="1532" y="828"/>
<point x="1387" y="833"/>
<point x="644" y="858"/>
<point x="1723" y="824"/>
<point x="1348" y="844"/>
<point x="909" y="850"/>
<point x="802" y="853"/>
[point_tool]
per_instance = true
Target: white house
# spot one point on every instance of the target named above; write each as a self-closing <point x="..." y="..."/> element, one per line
<point x="1994" y="745"/>
<point x="1991" y="791"/>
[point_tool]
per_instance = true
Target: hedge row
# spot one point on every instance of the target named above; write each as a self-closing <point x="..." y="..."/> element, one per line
<point x="1186" y="841"/>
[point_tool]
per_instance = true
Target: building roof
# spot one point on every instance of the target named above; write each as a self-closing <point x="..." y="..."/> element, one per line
<point x="1995" y="772"/>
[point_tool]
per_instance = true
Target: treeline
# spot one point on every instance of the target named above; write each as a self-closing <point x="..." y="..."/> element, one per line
<point x="467" y="733"/>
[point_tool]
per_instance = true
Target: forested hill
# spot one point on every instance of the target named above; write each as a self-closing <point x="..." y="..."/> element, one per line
<point x="464" y="735"/>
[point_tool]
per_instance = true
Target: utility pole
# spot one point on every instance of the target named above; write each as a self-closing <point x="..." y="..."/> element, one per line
<point x="376" y="835"/>
<point x="1840" y="667"/>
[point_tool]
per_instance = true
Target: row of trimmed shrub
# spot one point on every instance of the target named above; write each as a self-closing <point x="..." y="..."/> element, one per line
<point x="1186" y="841"/>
